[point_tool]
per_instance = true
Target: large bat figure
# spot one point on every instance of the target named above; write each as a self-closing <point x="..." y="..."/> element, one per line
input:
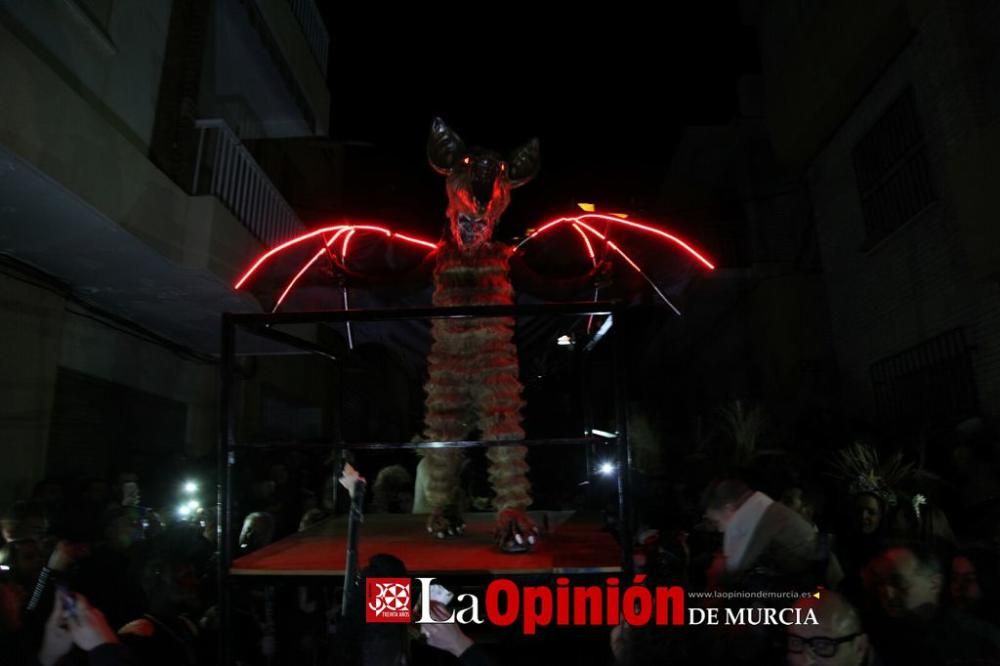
<point x="472" y="382"/>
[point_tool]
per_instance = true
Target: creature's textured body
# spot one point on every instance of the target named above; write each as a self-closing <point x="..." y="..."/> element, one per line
<point x="473" y="380"/>
<point x="473" y="376"/>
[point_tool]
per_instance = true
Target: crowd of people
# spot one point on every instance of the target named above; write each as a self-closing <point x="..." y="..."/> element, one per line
<point x="898" y="563"/>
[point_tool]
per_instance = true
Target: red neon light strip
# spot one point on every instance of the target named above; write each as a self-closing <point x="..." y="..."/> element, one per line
<point x="415" y="241"/>
<point x="586" y="241"/>
<point x="319" y="232"/>
<point x="631" y="263"/>
<point x="284" y="246"/>
<point x="329" y="243"/>
<point x="291" y="283"/>
<point x="593" y="261"/>
<point x="635" y="225"/>
<point x="653" y="230"/>
<point x="544" y="227"/>
<point x="549" y="225"/>
<point x="306" y="267"/>
<point x="343" y="248"/>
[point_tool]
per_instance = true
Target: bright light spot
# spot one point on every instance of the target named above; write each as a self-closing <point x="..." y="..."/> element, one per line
<point x="587" y="207"/>
<point x="603" y="433"/>
<point x="190" y="487"/>
<point x="564" y="341"/>
<point x="606" y="468"/>
<point x="184" y="511"/>
<point x="193" y="505"/>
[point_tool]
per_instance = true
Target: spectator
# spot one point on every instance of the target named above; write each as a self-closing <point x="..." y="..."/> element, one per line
<point x="837" y="640"/>
<point x="169" y="631"/>
<point x="449" y="637"/>
<point x="911" y="626"/>
<point x="73" y="621"/>
<point x="975" y="582"/>
<point x="761" y="534"/>
<point x="312" y="517"/>
<point x="393" y="490"/>
<point x="257" y="532"/>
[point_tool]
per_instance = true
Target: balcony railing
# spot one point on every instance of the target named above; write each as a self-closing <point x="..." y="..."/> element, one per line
<point x="314" y="29"/>
<point x="227" y="170"/>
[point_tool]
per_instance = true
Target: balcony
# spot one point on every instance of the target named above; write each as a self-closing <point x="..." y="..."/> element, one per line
<point x="292" y="35"/>
<point x="225" y="169"/>
<point x="314" y="29"/>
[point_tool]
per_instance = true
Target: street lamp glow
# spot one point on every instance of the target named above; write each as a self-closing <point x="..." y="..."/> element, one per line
<point x="606" y="468"/>
<point x="184" y="511"/>
<point x="190" y="487"/>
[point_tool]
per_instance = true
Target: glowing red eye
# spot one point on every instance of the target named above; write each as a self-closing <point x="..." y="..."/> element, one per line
<point x="467" y="160"/>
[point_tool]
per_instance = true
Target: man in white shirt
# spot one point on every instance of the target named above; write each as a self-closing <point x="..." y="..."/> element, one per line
<point x="759" y="533"/>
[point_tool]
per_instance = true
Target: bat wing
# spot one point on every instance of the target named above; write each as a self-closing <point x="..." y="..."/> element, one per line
<point x="332" y="246"/>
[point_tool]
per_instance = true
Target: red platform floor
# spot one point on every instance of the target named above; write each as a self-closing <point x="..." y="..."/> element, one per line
<point x="573" y="544"/>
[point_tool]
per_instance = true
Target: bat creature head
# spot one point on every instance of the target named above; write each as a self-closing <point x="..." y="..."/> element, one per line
<point x="478" y="182"/>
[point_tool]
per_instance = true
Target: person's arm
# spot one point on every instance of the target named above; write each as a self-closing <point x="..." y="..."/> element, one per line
<point x="349" y="479"/>
<point x="57" y="640"/>
<point x="92" y="634"/>
<point x="448" y="636"/>
<point x="59" y="562"/>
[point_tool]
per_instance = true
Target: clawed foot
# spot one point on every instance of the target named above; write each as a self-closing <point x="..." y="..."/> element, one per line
<point x="445" y="524"/>
<point x="515" y="532"/>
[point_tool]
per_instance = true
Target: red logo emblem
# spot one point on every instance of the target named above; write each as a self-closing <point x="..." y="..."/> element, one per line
<point x="388" y="600"/>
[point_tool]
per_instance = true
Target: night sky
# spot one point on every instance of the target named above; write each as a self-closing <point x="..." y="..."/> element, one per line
<point x="605" y="92"/>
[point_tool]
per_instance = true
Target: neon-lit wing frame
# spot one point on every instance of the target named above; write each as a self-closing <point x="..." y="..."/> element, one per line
<point x="583" y="225"/>
<point x="327" y="237"/>
<point x="579" y="223"/>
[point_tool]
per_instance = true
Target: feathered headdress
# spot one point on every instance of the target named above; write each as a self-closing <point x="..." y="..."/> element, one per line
<point x="859" y="467"/>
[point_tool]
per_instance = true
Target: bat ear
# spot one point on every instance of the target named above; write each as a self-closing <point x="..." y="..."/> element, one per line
<point x="524" y="163"/>
<point x="444" y="148"/>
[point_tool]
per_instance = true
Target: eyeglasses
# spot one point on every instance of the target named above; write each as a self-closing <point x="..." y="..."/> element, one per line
<point x="821" y="646"/>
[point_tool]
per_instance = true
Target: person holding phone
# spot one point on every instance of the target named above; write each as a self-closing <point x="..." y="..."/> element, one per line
<point x="74" y="621"/>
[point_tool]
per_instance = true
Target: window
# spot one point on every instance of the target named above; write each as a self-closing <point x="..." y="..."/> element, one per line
<point x="927" y="388"/>
<point x="890" y="163"/>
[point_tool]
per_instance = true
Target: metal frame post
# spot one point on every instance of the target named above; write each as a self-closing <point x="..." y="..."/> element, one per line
<point x="224" y="465"/>
<point x="623" y="445"/>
